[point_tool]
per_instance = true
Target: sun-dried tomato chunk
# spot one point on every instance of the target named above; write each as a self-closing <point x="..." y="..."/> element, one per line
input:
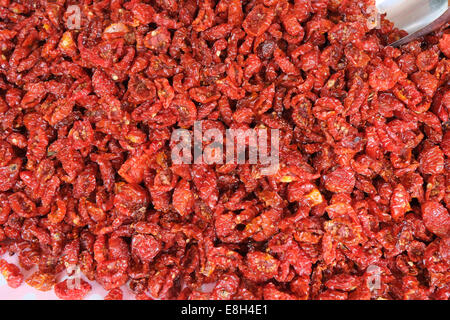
<point x="11" y="273"/>
<point x="72" y="289"/>
<point x="258" y="20"/>
<point x="436" y="218"/>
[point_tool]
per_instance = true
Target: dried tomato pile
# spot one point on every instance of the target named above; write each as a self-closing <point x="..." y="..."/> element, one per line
<point x="86" y="177"/>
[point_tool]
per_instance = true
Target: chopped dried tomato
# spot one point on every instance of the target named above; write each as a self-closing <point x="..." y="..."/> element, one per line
<point x="87" y="178"/>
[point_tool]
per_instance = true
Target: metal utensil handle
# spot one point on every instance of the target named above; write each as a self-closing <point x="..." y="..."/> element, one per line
<point x="436" y="24"/>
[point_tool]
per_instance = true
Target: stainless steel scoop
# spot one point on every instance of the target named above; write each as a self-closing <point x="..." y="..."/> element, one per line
<point x="417" y="17"/>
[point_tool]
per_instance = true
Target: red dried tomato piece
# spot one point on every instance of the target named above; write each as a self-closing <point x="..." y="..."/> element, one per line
<point x="270" y="292"/>
<point x="183" y="198"/>
<point x="346" y="32"/>
<point x="226" y="287"/>
<point x="343" y="282"/>
<point x="143" y="12"/>
<point x="114" y="294"/>
<point x="158" y="40"/>
<point x="146" y="247"/>
<point x="427" y="60"/>
<point x="140" y="89"/>
<point x="132" y="170"/>
<point x="432" y="161"/>
<point x="258" y="20"/>
<point x="111" y="273"/>
<point x="9" y="174"/>
<point x="381" y="78"/>
<point x="103" y="84"/>
<point x="426" y="82"/>
<point x="344" y="231"/>
<point x="72" y="289"/>
<point x="261" y="266"/>
<point x="41" y="281"/>
<point x="340" y="180"/>
<point x="6" y="153"/>
<point x="333" y="295"/>
<point x="12" y="274"/>
<point x="165" y="91"/>
<point x="399" y="203"/>
<point x="22" y="205"/>
<point x="187" y="112"/>
<point x="205" y="17"/>
<point x="407" y="92"/>
<point x="436" y="218"/>
<point x="444" y="44"/>
<point x="131" y="199"/>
